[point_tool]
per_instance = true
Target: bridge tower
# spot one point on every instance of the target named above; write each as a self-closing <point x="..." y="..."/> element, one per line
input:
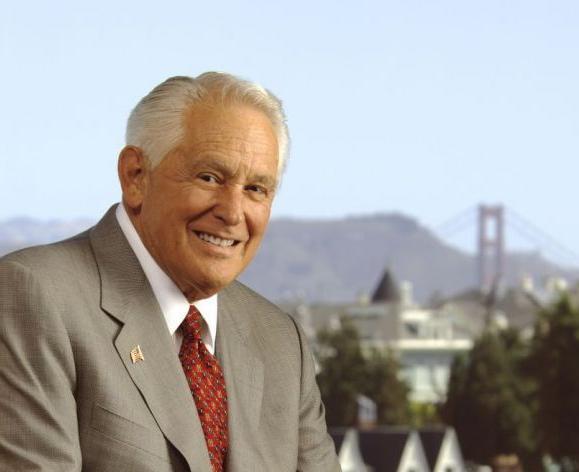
<point x="491" y="246"/>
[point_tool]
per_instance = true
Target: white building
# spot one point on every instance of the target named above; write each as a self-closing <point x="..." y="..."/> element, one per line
<point x="424" y="340"/>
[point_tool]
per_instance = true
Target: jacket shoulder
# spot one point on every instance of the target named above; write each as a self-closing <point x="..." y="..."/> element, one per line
<point x="57" y="264"/>
<point x="265" y="310"/>
<point x="275" y="331"/>
<point x="40" y="254"/>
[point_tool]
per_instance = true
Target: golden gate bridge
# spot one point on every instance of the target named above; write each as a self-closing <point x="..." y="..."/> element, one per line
<point x="491" y="223"/>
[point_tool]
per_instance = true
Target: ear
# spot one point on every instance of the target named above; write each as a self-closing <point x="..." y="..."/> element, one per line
<point x="133" y="169"/>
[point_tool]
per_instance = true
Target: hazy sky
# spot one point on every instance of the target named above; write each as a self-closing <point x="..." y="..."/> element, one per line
<point x="421" y="107"/>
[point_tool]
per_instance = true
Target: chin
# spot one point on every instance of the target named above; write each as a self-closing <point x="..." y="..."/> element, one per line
<point x="208" y="286"/>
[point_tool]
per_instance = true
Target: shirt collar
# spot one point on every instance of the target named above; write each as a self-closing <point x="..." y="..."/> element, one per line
<point x="174" y="305"/>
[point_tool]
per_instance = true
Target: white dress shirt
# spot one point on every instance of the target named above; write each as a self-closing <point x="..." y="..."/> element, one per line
<point x="173" y="303"/>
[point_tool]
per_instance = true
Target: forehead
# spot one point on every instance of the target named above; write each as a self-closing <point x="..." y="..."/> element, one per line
<point x="238" y="128"/>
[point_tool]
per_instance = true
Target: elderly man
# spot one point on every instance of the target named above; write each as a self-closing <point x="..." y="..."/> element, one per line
<point x="131" y="347"/>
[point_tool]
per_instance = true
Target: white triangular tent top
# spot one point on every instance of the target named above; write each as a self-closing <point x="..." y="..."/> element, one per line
<point x="413" y="456"/>
<point x="350" y="457"/>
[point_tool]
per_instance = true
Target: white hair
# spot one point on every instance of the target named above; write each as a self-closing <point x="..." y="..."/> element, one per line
<point x="157" y="124"/>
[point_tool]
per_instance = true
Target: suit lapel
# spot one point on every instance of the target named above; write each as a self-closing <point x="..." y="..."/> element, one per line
<point x="126" y="295"/>
<point x="244" y="376"/>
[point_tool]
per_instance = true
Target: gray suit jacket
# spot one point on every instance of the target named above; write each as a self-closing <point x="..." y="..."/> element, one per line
<point x="71" y="398"/>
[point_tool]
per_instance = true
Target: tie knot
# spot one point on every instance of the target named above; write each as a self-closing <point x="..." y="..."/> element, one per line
<point x="191" y="325"/>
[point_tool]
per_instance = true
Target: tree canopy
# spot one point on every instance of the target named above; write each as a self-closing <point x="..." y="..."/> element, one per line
<point x="555" y="365"/>
<point x="490" y="399"/>
<point x="346" y="373"/>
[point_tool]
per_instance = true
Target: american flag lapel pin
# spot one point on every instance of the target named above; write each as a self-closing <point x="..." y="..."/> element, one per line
<point x="137" y="354"/>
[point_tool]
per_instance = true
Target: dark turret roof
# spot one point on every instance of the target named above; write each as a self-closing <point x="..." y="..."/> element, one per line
<point x="386" y="290"/>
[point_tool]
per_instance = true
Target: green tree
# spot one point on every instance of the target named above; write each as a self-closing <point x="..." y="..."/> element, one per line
<point x="452" y="410"/>
<point x="383" y="385"/>
<point x="555" y="363"/>
<point x="490" y="399"/>
<point x="343" y="369"/>
<point x="346" y="373"/>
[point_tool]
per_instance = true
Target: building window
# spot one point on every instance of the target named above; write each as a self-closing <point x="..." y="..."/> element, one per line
<point x="411" y="329"/>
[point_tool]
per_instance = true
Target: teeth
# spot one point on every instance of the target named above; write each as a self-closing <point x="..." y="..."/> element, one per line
<point x="215" y="240"/>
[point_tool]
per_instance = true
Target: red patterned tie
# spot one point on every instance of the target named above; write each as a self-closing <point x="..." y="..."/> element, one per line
<point x="207" y="386"/>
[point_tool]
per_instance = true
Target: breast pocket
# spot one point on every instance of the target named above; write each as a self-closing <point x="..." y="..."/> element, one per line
<point x="123" y="431"/>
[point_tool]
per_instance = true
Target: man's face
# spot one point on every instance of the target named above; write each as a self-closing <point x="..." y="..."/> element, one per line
<point x="204" y="209"/>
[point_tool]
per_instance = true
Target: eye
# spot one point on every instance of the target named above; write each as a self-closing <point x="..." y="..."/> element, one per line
<point x="209" y="178"/>
<point x="257" y="191"/>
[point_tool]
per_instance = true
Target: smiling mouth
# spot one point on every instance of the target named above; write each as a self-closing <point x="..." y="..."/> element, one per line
<point x="215" y="240"/>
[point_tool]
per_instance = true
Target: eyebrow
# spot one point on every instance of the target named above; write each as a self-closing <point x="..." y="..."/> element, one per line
<point x="265" y="180"/>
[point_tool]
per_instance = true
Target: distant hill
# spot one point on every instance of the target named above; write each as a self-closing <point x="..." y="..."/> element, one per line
<point x="335" y="260"/>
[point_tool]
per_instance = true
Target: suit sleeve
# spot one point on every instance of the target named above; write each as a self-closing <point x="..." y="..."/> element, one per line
<point x="38" y="422"/>
<point x="317" y="452"/>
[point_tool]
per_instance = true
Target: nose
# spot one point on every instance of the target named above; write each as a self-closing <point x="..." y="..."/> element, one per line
<point x="229" y="207"/>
